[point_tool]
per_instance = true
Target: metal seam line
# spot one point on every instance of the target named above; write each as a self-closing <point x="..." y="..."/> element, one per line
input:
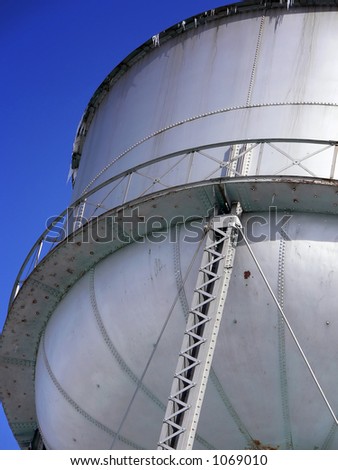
<point x="140" y="384"/>
<point x="106" y="338"/>
<point x="281" y="346"/>
<point x="44" y="440"/>
<point x="245" y="165"/>
<point x="50" y="290"/>
<point x="201" y="116"/>
<point x="18" y="362"/>
<point x="77" y="407"/>
<point x="204" y="443"/>
<point x="24" y="426"/>
<point x="294" y="337"/>
<point x="231" y="410"/>
<point x="178" y="273"/>
<point x="329" y="438"/>
<point x="25" y="270"/>
<point x="254" y="65"/>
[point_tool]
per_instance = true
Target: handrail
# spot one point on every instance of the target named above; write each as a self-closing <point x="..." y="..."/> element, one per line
<point x="68" y="212"/>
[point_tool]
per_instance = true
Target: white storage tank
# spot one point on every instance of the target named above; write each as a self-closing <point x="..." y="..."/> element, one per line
<point x="236" y="105"/>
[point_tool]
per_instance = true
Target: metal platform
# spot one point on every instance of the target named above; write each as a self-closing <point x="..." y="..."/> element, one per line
<point x="58" y="271"/>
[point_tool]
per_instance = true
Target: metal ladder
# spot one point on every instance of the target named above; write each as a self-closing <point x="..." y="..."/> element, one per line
<point x="199" y="341"/>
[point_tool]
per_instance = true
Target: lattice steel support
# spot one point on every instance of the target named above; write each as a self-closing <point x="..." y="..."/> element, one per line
<point x="194" y="362"/>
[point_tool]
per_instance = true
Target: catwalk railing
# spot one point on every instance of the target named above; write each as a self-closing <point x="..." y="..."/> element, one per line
<point x="292" y="157"/>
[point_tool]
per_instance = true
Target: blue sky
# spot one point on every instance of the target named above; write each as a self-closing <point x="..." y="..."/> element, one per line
<point x="53" y="55"/>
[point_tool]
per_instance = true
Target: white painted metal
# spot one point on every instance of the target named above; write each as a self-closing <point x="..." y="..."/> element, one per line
<point x="200" y="337"/>
<point x="267" y="74"/>
<point x="112" y="376"/>
<point x="287" y="323"/>
<point x="108" y="339"/>
<point x="248" y="94"/>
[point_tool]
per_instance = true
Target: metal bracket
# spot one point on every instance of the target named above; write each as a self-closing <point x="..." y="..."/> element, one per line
<point x="199" y="341"/>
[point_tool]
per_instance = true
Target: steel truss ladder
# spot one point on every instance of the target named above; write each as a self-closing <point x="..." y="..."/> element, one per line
<point x="199" y="341"/>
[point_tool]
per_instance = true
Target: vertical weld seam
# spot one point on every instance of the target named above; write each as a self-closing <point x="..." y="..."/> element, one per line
<point x="76" y="406"/>
<point x="230" y="408"/>
<point x="281" y="347"/>
<point x="178" y="274"/>
<point x="254" y="66"/>
<point x="44" y="440"/>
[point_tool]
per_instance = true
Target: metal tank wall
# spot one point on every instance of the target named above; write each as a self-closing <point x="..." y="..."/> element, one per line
<point x="237" y="107"/>
<point x="259" y="84"/>
<point x="264" y="76"/>
<point x="107" y="357"/>
<point x="246" y="95"/>
<point x="111" y="324"/>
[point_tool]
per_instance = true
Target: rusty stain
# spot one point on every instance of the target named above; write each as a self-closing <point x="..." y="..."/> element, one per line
<point x="34" y="301"/>
<point x="258" y="445"/>
<point x="247" y="274"/>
